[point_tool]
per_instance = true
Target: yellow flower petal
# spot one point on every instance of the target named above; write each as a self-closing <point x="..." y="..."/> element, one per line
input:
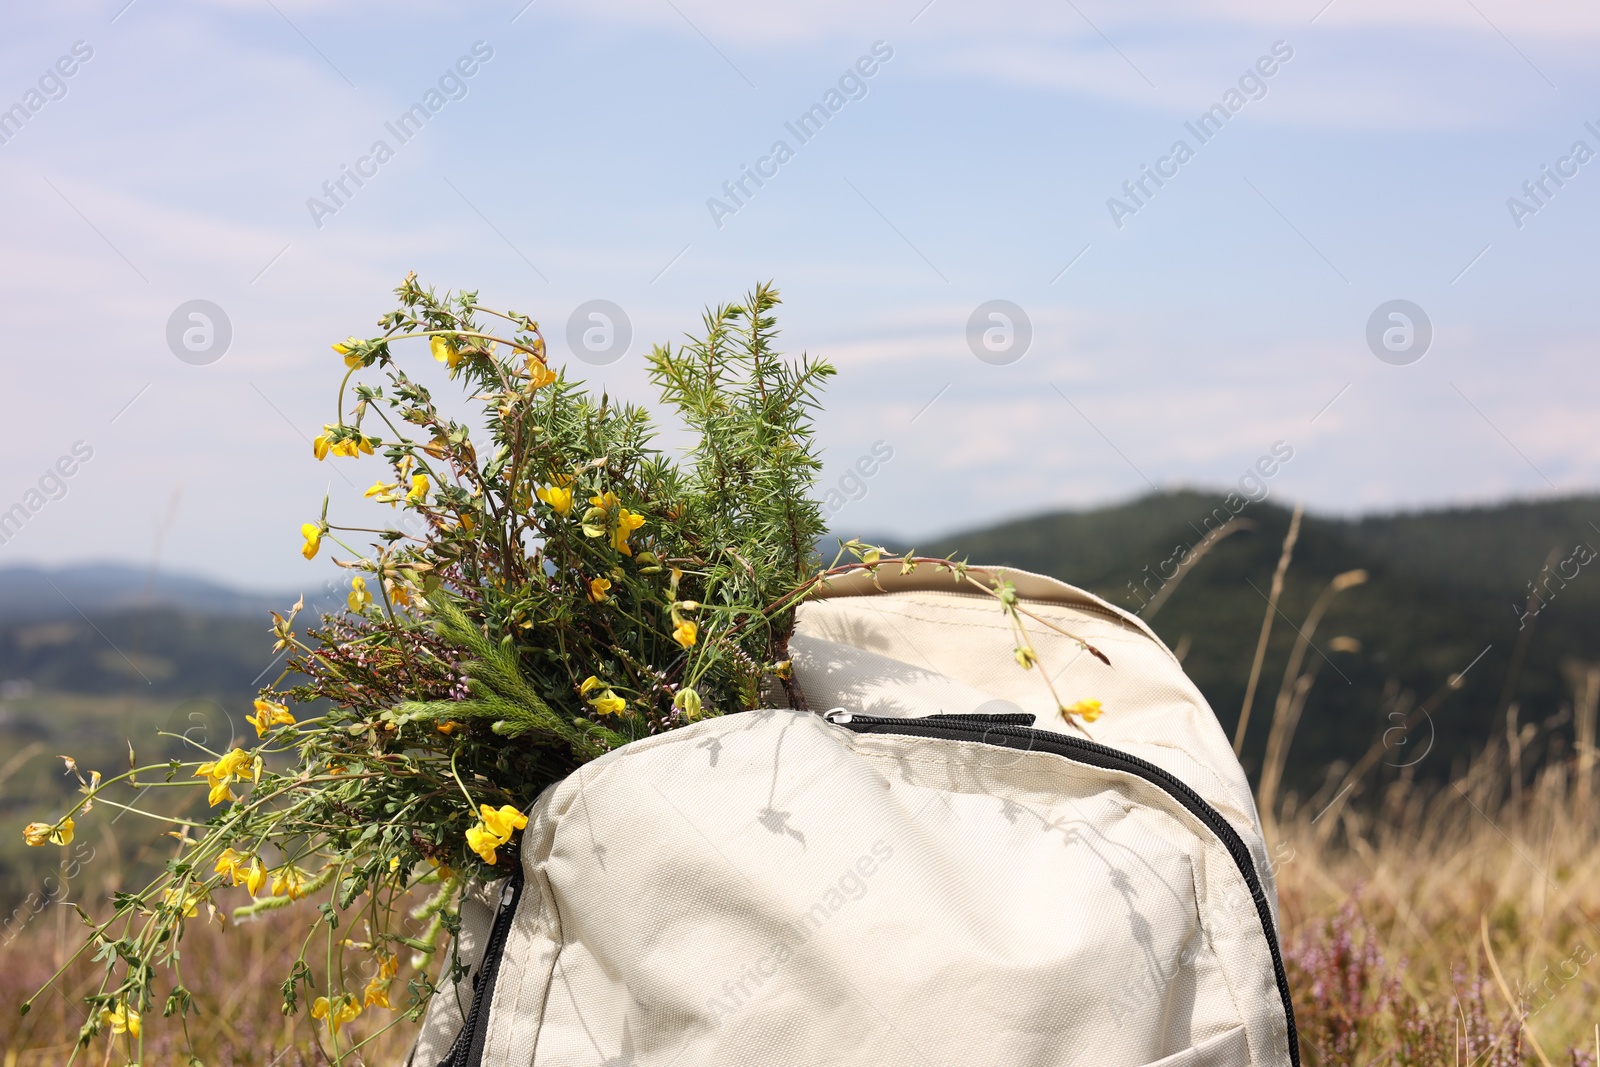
<point x="559" y="498"/>
<point x="444" y="351"/>
<point x="686" y="633"/>
<point x="627" y="522"/>
<point x="504" y="821"/>
<point x="377" y="993"/>
<point x="1089" y="710"/>
<point x="540" y="374"/>
<point x="228" y="863"/>
<point x="483" y="843"/>
<point x="268" y="714"/>
<point x="124" y="1020"/>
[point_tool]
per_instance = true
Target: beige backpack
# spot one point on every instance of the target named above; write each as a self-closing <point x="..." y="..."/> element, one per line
<point x="940" y="870"/>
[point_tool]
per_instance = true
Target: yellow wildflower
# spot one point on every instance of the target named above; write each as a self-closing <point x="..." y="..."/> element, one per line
<point x="312" y="532"/>
<point x="350" y="447"/>
<point x="384" y="491"/>
<point x="1026" y="658"/>
<point x="124" y="1020"/>
<point x="345" y="347"/>
<point x="540" y="374"/>
<point x="494" y="829"/>
<point x="590" y="684"/>
<point x="685" y="632"/>
<point x="419" y="489"/>
<point x="1089" y="710"/>
<point x="359" y="598"/>
<point x="338" y="1011"/>
<point x="231" y="863"/>
<point x="394" y="864"/>
<point x="448" y="728"/>
<point x="444" y="351"/>
<point x="558" y="497"/>
<point x="43" y="833"/>
<point x="377" y="992"/>
<point x="222" y="772"/>
<point x="269" y="713"/>
<point x="290" y="882"/>
<point x="399" y="592"/>
<point x="608" y="501"/>
<point x="319" y="445"/>
<point x="627" y="522"/>
<point x="188" y="904"/>
<point x="608" y="703"/>
<point x="598" y="588"/>
<point x="503" y="821"/>
<point x="389" y="963"/>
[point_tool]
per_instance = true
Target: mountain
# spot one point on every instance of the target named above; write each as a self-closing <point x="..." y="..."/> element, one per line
<point x="40" y="594"/>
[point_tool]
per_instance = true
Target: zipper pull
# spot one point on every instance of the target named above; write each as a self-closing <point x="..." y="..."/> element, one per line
<point x="507" y="893"/>
<point x="838" y="716"/>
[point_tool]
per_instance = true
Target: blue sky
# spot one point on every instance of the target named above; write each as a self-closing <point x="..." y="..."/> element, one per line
<point x="1223" y="316"/>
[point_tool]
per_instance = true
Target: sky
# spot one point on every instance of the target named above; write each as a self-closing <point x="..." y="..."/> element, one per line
<point x="1022" y="316"/>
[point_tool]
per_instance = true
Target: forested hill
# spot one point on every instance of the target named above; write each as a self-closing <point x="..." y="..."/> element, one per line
<point x="1444" y="588"/>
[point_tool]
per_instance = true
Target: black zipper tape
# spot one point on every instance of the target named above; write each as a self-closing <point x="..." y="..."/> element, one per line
<point x="1019" y="718"/>
<point x="986" y="730"/>
<point x="467" y="1051"/>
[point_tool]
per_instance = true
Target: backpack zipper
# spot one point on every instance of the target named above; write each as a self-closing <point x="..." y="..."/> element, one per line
<point x="984" y="729"/>
<point x="467" y="1051"/>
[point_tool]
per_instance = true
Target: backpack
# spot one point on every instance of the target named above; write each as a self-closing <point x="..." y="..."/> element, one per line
<point x="939" y="870"/>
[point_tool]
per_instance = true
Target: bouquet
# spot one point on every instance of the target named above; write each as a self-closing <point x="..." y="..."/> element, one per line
<point x="554" y="585"/>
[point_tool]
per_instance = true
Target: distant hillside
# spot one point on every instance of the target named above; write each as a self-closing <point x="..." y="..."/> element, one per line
<point x="32" y="594"/>
<point x="1444" y="587"/>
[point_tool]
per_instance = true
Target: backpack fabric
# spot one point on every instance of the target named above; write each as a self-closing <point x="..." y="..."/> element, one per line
<point x="938" y="870"/>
